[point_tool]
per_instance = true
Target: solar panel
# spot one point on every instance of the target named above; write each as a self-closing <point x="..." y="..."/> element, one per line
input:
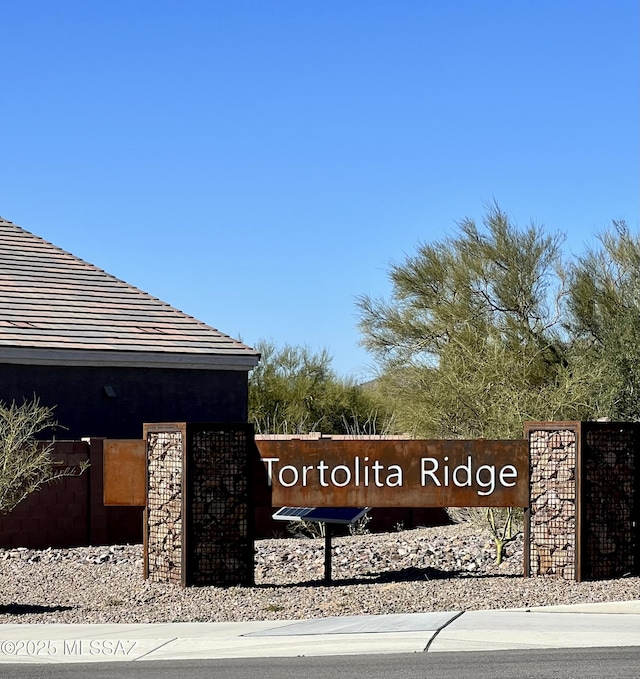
<point x="344" y="515"/>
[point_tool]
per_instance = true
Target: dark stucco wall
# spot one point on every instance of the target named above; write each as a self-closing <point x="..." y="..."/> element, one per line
<point x="84" y="406"/>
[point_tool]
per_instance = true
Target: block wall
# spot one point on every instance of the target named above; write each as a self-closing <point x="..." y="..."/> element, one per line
<point x="70" y="512"/>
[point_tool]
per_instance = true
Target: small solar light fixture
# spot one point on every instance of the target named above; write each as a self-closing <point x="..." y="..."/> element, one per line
<point x="326" y="515"/>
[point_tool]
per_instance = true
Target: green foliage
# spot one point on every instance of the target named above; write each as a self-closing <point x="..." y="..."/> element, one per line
<point x="504" y="524"/>
<point x="474" y="340"/>
<point x="318" y="529"/>
<point x="605" y="317"/>
<point x="361" y="526"/>
<point x="26" y="464"/>
<point x="483" y="331"/>
<point x="307" y="529"/>
<point x="294" y="391"/>
<point x="493" y="285"/>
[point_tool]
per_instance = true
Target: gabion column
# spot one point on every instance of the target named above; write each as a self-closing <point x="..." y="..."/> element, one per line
<point x="198" y="528"/>
<point x="610" y="511"/>
<point x="553" y="511"/>
<point x="584" y="509"/>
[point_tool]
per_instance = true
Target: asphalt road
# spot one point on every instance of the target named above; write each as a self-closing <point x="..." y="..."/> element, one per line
<point x="581" y="663"/>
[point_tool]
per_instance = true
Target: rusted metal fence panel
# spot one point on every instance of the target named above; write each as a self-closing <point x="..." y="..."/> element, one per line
<point x="71" y="511"/>
<point x="125" y="482"/>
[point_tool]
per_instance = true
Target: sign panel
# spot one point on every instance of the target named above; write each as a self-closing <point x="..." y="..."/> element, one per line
<point x="125" y="476"/>
<point x="396" y="473"/>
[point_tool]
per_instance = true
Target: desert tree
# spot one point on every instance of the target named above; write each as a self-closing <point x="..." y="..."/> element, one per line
<point x="294" y="390"/>
<point x="26" y="462"/>
<point x="604" y="320"/>
<point x="473" y="341"/>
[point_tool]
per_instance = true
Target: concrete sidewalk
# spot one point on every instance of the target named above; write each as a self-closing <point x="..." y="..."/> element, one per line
<point x="585" y="625"/>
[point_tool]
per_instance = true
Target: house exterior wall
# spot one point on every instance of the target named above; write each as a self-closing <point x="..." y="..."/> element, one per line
<point x="114" y="402"/>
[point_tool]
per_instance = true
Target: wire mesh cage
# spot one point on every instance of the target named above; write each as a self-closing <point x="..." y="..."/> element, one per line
<point x="610" y="507"/>
<point x="584" y="509"/>
<point x="553" y="502"/>
<point x="219" y="507"/>
<point x="199" y="507"/>
<point x="164" y="534"/>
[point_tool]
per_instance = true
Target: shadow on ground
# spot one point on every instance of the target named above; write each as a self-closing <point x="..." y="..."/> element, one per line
<point x="402" y="575"/>
<point x="26" y="609"/>
<point x="411" y="574"/>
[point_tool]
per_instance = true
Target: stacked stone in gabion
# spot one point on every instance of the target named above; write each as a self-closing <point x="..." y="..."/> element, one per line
<point x="553" y="503"/>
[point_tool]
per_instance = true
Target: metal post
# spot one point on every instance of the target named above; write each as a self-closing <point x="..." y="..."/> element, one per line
<point x="327" y="552"/>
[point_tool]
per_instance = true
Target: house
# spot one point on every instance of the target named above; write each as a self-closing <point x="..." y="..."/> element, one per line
<point x="107" y="355"/>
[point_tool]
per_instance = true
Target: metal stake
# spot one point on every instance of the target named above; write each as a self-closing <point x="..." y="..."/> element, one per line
<point x="327" y="552"/>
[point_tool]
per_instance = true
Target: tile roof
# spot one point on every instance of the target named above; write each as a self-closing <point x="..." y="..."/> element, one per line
<point x="58" y="309"/>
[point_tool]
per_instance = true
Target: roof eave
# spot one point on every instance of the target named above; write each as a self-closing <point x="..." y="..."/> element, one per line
<point x="129" y="359"/>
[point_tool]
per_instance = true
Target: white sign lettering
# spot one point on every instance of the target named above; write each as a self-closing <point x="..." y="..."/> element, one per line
<point x="361" y="472"/>
<point x="364" y="472"/>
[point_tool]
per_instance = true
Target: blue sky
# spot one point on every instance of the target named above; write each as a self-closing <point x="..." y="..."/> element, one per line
<point x="259" y="164"/>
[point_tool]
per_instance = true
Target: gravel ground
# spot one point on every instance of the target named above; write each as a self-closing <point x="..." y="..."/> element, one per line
<point x="426" y="569"/>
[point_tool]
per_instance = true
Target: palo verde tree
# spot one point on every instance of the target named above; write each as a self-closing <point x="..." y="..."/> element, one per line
<point x="26" y="463"/>
<point x="294" y="390"/>
<point x="604" y="304"/>
<point x="472" y="341"/>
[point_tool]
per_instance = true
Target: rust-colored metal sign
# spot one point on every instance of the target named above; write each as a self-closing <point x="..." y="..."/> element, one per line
<point x="396" y="473"/>
<point x="125" y="476"/>
<point x="356" y="473"/>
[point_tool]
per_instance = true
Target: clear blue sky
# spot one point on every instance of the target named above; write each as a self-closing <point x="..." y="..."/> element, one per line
<point x="258" y="164"/>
